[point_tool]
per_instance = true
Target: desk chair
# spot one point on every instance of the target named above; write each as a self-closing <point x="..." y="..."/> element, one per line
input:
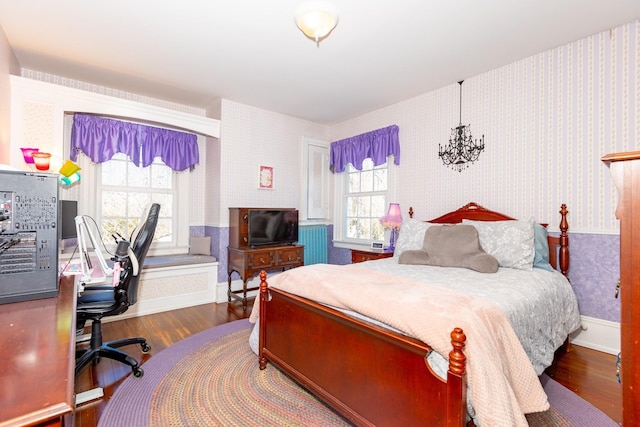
<point x="97" y="302"/>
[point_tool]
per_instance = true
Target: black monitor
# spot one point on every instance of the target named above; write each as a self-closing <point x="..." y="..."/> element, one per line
<point x="66" y="221"/>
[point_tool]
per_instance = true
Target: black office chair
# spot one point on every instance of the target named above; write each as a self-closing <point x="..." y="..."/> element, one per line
<point x="99" y="301"/>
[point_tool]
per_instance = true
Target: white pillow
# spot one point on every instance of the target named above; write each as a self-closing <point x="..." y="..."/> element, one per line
<point x="411" y="236"/>
<point x="511" y="242"/>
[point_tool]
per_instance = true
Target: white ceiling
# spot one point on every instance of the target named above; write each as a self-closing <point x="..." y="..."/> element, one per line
<point x="250" y="51"/>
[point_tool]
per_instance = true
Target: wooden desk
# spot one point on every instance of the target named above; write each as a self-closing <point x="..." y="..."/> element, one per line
<point x="37" y="360"/>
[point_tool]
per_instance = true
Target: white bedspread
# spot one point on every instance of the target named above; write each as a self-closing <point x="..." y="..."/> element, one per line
<point x="541" y="305"/>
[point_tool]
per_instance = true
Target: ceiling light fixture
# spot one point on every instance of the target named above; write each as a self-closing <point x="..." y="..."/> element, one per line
<point x="461" y="149"/>
<point x="316" y="19"/>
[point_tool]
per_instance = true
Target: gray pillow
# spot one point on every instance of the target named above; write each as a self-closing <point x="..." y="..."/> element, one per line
<point x="452" y="246"/>
<point x="200" y="245"/>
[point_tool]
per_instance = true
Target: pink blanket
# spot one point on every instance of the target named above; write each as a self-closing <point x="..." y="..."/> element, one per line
<point x="503" y="385"/>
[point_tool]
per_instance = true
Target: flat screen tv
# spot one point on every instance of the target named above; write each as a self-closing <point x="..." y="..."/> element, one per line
<point x="273" y="227"/>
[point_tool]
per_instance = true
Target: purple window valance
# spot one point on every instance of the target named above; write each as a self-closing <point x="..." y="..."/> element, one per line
<point x="101" y="138"/>
<point x="376" y="145"/>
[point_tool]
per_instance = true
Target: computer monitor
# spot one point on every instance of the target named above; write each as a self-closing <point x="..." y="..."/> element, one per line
<point x="66" y="219"/>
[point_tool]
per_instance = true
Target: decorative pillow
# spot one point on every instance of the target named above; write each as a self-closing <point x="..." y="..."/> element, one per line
<point x="200" y="245"/>
<point x="511" y="242"/>
<point x="541" y="244"/>
<point x="452" y="246"/>
<point x="411" y="235"/>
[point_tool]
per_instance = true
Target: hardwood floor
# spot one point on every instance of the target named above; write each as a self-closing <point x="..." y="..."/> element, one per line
<point x="589" y="373"/>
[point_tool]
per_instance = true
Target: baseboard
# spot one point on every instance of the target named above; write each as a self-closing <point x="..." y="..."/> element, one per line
<point x="598" y="334"/>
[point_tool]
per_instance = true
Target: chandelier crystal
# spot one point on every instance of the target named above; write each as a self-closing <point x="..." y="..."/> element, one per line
<point x="462" y="149"/>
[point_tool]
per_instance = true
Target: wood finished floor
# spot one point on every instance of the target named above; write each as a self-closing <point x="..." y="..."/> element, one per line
<point x="589" y="373"/>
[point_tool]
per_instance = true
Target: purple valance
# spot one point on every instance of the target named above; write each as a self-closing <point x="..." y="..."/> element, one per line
<point x="376" y="145"/>
<point x="101" y="138"/>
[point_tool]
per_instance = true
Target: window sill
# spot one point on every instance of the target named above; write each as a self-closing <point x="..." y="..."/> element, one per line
<point x="351" y="245"/>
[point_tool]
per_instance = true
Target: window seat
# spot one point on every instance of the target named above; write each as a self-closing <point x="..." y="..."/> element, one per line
<point x="169" y="282"/>
<point x="176" y="260"/>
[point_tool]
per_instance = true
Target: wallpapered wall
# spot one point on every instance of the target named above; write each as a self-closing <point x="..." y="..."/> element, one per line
<point x="547" y="121"/>
<point x="8" y="64"/>
<point x="252" y="137"/>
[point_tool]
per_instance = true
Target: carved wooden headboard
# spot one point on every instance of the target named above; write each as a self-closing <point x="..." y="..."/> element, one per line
<point x="558" y="245"/>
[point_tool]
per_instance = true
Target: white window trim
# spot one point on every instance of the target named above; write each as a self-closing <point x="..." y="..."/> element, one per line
<point x="339" y="208"/>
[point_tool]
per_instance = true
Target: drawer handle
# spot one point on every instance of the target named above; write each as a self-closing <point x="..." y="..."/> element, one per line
<point x="261" y="260"/>
<point x="289" y="257"/>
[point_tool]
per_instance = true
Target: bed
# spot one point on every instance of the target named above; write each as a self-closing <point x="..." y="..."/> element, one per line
<point x="377" y="370"/>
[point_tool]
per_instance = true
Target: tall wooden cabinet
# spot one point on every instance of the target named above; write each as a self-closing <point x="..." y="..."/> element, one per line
<point x="248" y="261"/>
<point x="625" y="171"/>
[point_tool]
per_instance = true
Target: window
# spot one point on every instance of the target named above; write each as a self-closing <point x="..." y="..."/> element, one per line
<point x="125" y="191"/>
<point x="115" y="194"/>
<point x="364" y="200"/>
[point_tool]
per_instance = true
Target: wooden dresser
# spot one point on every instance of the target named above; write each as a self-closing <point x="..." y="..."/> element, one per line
<point x="248" y="261"/>
<point x="625" y="171"/>
<point x="361" y="255"/>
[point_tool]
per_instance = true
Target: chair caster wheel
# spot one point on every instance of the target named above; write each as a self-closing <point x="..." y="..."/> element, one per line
<point x="146" y="348"/>
<point x="138" y="372"/>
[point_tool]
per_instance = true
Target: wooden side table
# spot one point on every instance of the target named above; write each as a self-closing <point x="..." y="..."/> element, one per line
<point x="361" y="255"/>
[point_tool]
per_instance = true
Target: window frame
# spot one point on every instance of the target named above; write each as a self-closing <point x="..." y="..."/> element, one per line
<point x="341" y="184"/>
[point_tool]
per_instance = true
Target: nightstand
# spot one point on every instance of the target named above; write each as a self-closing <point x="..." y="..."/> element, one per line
<point x="361" y="255"/>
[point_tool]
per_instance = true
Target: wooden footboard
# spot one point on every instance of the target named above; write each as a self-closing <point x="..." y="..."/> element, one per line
<point x="370" y="375"/>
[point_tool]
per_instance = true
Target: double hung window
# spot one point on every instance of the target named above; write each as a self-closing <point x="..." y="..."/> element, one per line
<point x="365" y="201"/>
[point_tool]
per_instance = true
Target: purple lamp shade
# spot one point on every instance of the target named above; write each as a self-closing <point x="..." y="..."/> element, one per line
<point x="392" y="220"/>
<point x="27" y="153"/>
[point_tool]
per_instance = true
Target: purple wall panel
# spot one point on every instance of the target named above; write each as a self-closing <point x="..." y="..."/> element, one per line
<point x="593" y="272"/>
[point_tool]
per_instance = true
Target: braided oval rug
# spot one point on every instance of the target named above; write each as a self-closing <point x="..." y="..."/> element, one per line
<point x="220" y="384"/>
<point x="213" y="379"/>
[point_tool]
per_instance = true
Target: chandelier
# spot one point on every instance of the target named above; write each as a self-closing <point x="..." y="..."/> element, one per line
<point x="462" y="149"/>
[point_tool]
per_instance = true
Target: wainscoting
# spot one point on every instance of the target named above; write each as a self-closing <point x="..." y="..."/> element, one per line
<point x="171" y="284"/>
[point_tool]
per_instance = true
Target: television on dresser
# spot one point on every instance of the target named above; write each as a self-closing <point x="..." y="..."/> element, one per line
<point x="272" y="227"/>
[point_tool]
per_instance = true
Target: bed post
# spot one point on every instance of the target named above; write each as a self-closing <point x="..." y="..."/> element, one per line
<point x="564" y="241"/>
<point x="456" y="381"/>
<point x="263" y="298"/>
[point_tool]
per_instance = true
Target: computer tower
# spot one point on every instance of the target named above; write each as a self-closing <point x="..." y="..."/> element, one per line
<point x="28" y="236"/>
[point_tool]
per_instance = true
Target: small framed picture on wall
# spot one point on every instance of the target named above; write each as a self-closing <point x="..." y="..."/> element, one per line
<point x="266" y="178"/>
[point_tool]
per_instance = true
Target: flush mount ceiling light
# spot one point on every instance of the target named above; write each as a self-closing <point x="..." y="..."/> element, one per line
<point x="316" y="19"/>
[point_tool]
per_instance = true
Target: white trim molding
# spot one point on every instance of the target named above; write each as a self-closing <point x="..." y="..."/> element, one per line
<point x="598" y="334"/>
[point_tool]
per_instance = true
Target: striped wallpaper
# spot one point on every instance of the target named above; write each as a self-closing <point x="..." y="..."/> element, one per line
<point x="547" y="121"/>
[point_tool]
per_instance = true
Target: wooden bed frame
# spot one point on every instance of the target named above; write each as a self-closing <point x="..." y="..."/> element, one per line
<point x="371" y="375"/>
